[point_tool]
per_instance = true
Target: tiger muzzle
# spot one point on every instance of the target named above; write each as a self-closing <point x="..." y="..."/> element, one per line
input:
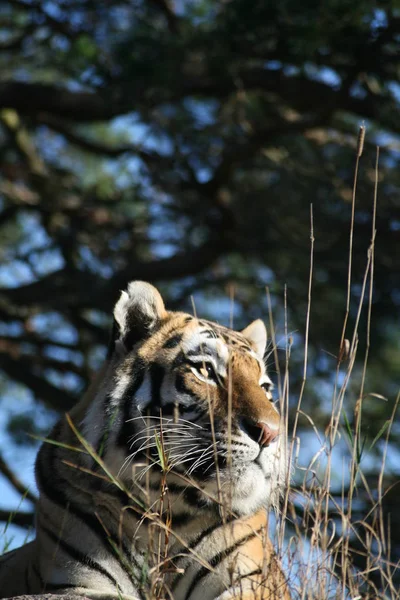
<point x="259" y="431"/>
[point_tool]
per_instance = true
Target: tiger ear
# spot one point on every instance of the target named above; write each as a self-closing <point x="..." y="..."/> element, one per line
<point x="137" y="313"/>
<point x="256" y="334"/>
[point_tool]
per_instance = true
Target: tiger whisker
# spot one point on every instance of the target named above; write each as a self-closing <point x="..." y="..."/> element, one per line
<point x="167" y="442"/>
<point x="183" y="422"/>
<point x="171" y="448"/>
<point x="209" y="467"/>
<point x="169" y="433"/>
<point x="204" y="455"/>
<point x="202" y="459"/>
<point x="141" y="473"/>
<point x="180" y="457"/>
<point x="198" y="465"/>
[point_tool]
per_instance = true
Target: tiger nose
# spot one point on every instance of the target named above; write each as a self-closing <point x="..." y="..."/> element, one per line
<point x="258" y="431"/>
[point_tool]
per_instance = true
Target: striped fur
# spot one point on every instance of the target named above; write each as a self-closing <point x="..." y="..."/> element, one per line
<point x="156" y="484"/>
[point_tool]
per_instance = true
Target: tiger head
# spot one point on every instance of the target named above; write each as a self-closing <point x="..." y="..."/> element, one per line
<point x="192" y="398"/>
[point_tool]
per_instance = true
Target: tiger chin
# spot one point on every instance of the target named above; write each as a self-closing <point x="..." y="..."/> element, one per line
<point x="158" y="483"/>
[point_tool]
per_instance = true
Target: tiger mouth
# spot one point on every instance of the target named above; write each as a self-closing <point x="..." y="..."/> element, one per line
<point x="207" y="460"/>
<point x="192" y="449"/>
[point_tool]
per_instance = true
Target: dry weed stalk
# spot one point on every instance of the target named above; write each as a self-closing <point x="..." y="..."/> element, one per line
<point x="327" y="537"/>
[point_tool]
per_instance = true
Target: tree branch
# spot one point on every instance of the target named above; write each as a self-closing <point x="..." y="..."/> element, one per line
<point x="97" y="147"/>
<point x="57" y="100"/>
<point x="22" y="141"/>
<point x="20" y="518"/>
<point x="241" y="152"/>
<point x="15" y="43"/>
<point x="20" y="371"/>
<point x="166" y="9"/>
<point x="15" y="482"/>
<point x="37" y="360"/>
<point x="298" y="91"/>
<point x="79" y="288"/>
<point x="38" y="341"/>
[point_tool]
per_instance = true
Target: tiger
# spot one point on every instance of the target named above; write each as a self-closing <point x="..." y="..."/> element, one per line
<point x="158" y="483"/>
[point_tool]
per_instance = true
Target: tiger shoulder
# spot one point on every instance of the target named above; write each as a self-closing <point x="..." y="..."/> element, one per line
<point x="159" y="482"/>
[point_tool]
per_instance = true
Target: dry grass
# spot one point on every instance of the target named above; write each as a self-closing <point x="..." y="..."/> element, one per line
<point x="320" y="540"/>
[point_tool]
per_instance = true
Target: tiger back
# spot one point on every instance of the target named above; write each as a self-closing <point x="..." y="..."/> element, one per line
<point x="158" y="483"/>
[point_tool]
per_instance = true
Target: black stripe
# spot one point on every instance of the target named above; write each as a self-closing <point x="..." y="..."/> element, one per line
<point x="46" y="470"/>
<point x="52" y="488"/>
<point x="200" y="413"/>
<point x="194" y="497"/>
<point x="110" y="414"/>
<point x="46" y="473"/>
<point x="210" y="334"/>
<point x="173" y="341"/>
<point x="205" y="471"/>
<point x="111" y="406"/>
<point x="198" y="363"/>
<point x="138" y="329"/>
<point x="113" y="337"/>
<point x="179" y="360"/>
<point x="157" y="373"/>
<point x="78" y="555"/>
<point x="6" y="557"/>
<point x="201" y="351"/>
<point x="57" y="496"/>
<point x="55" y="488"/>
<point x="27" y="584"/>
<point x="215" y="561"/>
<point x="36" y="571"/>
<point x="209" y="531"/>
<point x="181" y="386"/>
<point x="197" y="540"/>
<point x="169" y="409"/>
<point x="175" y="488"/>
<point x="54" y="587"/>
<point x="191" y="495"/>
<point x="180" y="519"/>
<point x="258" y="571"/>
<point x="129" y="561"/>
<point x="127" y="428"/>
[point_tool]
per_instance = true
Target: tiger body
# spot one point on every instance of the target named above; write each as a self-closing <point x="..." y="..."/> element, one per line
<point x="158" y="483"/>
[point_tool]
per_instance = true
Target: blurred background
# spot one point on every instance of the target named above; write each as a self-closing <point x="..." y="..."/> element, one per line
<point x="182" y="142"/>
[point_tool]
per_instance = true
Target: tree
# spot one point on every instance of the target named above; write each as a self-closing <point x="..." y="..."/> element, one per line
<point x="183" y="144"/>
